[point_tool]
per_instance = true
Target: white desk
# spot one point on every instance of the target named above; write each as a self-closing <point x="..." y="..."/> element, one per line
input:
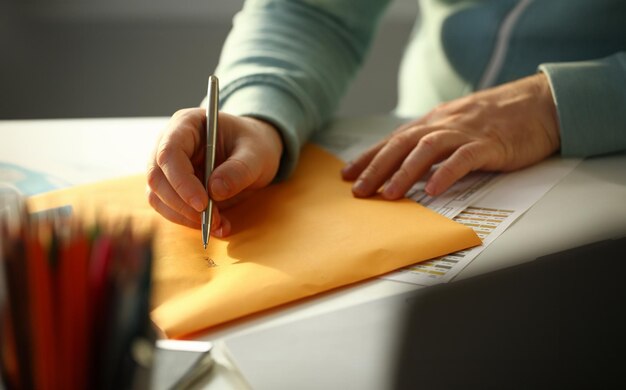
<point x="80" y="151"/>
<point x="588" y="205"/>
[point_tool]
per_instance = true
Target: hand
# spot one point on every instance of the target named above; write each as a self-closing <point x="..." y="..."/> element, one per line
<point x="248" y="156"/>
<point x="500" y="129"/>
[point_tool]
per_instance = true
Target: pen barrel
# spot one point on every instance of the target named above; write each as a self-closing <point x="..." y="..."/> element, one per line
<point x="209" y="156"/>
<point x="211" y="127"/>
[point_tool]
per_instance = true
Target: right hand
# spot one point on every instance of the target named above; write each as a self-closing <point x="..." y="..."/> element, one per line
<point x="248" y="156"/>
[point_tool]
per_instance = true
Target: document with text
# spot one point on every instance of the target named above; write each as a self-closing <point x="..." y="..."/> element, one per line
<point x="488" y="203"/>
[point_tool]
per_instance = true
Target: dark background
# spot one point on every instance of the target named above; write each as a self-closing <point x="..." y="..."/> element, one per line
<point x="121" y="58"/>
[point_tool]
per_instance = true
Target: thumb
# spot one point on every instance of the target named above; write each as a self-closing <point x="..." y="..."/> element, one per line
<point x="239" y="171"/>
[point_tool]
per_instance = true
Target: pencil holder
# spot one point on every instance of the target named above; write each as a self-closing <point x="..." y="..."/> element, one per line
<point x="74" y="300"/>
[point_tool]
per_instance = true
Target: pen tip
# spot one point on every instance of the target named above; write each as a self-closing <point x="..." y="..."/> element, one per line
<point x="204" y="246"/>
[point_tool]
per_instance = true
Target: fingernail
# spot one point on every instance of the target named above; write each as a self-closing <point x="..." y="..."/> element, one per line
<point x="219" y="188"/>
<point x="346" y="168"/>
<point x="359" y="187"/>
<point x="196" y="203"/>
<point x="218" y="233"/>
<point x="223" y="230"/>
<point x="390" y="191"/>
<point x="430" y="188"/>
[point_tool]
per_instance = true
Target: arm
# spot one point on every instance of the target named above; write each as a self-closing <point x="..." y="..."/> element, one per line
<point x="579" y="108"/>
<point x="290" y="62"/>
<point x="283" y="70"/>
<point x="498" y="129"/>
<point x="590" y="98"/>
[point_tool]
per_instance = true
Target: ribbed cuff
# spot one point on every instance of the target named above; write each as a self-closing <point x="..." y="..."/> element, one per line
<point x="591" y="105"/>
<point x="273" y="106"/>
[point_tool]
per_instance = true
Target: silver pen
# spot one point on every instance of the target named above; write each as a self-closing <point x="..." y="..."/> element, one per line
<point x="209" y="160"/>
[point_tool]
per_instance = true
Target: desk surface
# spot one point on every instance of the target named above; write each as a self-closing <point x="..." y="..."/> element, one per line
<point x="589" y="204"/>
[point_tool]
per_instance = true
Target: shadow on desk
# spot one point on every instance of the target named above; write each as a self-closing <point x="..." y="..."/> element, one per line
<point x="556" y="322"/>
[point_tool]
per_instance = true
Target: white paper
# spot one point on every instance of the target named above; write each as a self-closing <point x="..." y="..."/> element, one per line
<point x="490" y="215"/>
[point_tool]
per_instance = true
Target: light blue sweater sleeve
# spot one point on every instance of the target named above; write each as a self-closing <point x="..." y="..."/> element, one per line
<point x="290" y="62"/>
<point x="590" y="98"/>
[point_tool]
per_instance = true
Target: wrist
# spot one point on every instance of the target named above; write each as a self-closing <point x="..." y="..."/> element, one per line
<point x="548" y="105"/>
<point x="269" y="132"/>
<point x="269" y="142"/>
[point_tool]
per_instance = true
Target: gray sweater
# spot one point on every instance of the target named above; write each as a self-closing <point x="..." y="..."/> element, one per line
<point x="290" y="61"/>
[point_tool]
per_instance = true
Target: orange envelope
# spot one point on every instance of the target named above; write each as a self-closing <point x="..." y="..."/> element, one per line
<point x="291" y="240"/>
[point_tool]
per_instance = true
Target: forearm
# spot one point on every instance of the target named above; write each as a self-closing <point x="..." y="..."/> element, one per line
<point x="289" y="63"/>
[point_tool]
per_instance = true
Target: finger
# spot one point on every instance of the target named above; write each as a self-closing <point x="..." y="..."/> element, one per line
<point x="220" y="225"/>
<point x="159" y="186"/>
<point x="354" y="168"/>
<point x="467" y="158"/>
<point x="217" y="222"/>
<point x="170" y="214"/>
<point x="240" y="171"/>
<point x="386" y="161"/>
<point x="224" y="229"/>
<point x="431" y="149"/>
<point x="175" y="153"/>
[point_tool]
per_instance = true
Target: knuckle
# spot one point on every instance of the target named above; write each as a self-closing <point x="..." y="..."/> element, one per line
<point x="439" y="110"/>
<point x="242" y="170"/>
<point x="372" y="170"/>
<point x="153" y="199"/>
<point x="467" y="155"/>
<point x="178" y="114"/>
<point x="165" y="153"/>
<point x="447" y="171"/>
<point x="403" y="129"/>
<point x="180" y="208"/>
<point x="181" y="113"/>
<point x="153" y="176"/>
<point x="400" y="141"/>
<point x="178" y="185"/>
<point x="403" y="174"/>
<point x="429" y="142"/>
<point x="492" y="133"/>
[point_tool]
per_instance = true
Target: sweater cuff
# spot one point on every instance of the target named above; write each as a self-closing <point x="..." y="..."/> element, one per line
<point x="272" y="105"/>
<point x="591" y="105"/>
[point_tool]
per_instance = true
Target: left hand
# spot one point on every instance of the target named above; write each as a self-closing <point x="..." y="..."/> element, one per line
<point x="499" y="129"/>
